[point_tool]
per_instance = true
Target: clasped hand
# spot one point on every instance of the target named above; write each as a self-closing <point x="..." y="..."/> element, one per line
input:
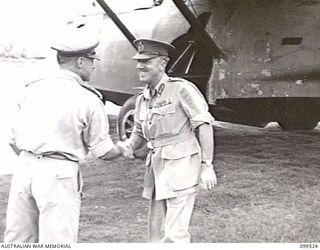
<point x="125" y="149"/>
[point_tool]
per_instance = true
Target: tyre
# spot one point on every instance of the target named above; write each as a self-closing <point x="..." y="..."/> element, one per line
<point x="126" y="119"/>
<point x="125" y="125"/>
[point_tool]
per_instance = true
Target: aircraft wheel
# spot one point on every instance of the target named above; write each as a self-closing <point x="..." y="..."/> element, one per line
<point x="126" y="119"/>
<point x="298" y="124"/>
<point x="125" y="127"/>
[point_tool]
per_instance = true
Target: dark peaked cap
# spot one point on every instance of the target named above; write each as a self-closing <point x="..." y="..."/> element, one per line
<point x="149" y="48"/>
<point x="75" y="41"/>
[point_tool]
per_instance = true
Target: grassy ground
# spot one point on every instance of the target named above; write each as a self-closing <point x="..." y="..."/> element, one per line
<point x="268" y="191"/>
<point x="268" y="186"/>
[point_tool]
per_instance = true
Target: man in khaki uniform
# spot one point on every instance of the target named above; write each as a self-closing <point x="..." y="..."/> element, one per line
<point x="167" y="114"/>
<point x="60" y="119"/>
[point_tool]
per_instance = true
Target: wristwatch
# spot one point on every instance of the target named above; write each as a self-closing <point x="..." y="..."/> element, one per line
<point x="206" y="162"/>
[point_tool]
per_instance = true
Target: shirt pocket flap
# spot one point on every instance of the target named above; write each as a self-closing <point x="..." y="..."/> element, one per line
<point x="167" y="109"/>
<point x="180" y="150"/>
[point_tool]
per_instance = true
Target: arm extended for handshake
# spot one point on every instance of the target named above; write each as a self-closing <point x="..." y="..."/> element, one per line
<point x="131" y="149"/>
<point x="134" y="147"/>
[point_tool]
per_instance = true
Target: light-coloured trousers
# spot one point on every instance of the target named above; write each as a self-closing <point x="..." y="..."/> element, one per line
<point x="169" y="219"/>
<point x="44" y="201"/>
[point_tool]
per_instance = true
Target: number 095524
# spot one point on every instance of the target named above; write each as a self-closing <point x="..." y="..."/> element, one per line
<point x="308" y="245"/>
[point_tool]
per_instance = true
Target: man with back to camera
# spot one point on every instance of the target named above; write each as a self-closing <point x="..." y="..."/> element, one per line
<point x="61" y="118"/>
<point x="166" y="116"/>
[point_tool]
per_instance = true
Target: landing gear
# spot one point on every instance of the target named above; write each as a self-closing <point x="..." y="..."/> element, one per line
<point x="126" y="119"/>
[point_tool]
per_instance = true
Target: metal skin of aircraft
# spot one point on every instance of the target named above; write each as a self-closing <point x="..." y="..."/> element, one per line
<point x="258" y="61"/>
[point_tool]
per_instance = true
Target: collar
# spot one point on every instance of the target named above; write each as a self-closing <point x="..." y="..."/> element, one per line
<point x="69" y="74"/>
<point x="148" y="93"/>
<point x="73" y="76"/>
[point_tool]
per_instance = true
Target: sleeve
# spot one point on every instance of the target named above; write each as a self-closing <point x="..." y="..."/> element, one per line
<point x="137" y="129"/>
<point x="15" y="115"/>
<point x="96" y="133"/>
<point x="136" y="140"/>
<point x="12" y="131"/>
<point x="194" y="105"/>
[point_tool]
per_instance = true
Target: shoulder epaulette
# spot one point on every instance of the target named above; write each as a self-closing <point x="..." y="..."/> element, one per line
<point x="93" y="90"/>
<point x="175" y="79"/>
<point x="32" y="82"/>
<point x="180" y="80"/>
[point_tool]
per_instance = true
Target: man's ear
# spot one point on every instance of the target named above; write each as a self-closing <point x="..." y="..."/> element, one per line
<point x="80" y="62"/>
<point x="163" y="64"/>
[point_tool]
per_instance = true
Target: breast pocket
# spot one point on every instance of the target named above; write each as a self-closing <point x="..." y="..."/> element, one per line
<point x="166" y="119"/>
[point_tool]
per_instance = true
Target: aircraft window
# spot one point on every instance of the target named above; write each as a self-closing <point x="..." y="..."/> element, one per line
<point x="291" y="41"/>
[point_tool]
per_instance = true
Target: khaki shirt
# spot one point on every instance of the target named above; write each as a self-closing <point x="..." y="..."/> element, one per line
<point x="63" y="115"/>
<point x="166" y="118"/>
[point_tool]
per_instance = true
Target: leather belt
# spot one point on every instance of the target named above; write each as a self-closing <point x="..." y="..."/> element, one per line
<point x="49" y="155"/>
<point x="155" y="143"/>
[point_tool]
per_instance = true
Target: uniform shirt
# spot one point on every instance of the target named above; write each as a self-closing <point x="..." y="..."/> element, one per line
<point x="166" y="117"/>
<point x="61" y="115"/>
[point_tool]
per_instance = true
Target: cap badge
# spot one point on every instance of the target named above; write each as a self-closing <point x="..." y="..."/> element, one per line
<point x="140" y="47"/>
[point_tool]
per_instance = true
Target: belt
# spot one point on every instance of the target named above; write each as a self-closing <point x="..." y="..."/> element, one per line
<point x="57" y="156"/>
<point x="160" y="142"/>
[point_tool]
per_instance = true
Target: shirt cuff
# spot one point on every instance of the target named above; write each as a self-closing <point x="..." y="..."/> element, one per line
<point x="102" y="148"/>
<point x="199" y="119"/>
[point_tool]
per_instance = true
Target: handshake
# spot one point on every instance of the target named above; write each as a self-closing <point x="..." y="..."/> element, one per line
<point x="139" y="150"/>
<point x="126" y="149"/>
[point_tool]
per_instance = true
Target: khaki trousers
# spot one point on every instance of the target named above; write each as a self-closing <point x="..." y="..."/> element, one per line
<point x="44" y="201"/>
<point x="169" y="219"/>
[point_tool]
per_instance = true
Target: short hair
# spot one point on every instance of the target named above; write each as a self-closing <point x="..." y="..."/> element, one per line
<point x="65" y="59"/>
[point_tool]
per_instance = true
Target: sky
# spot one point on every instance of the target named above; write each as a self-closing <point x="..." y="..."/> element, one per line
<point x="32" y="24"/>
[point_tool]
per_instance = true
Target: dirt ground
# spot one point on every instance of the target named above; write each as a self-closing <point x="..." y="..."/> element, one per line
<point x="268" y="186"/>
<point x="268" y="191"/>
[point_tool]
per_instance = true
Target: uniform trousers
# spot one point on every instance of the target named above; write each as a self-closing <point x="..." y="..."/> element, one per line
<point x="169" y="219"/>
<point x="44" y="201"/>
